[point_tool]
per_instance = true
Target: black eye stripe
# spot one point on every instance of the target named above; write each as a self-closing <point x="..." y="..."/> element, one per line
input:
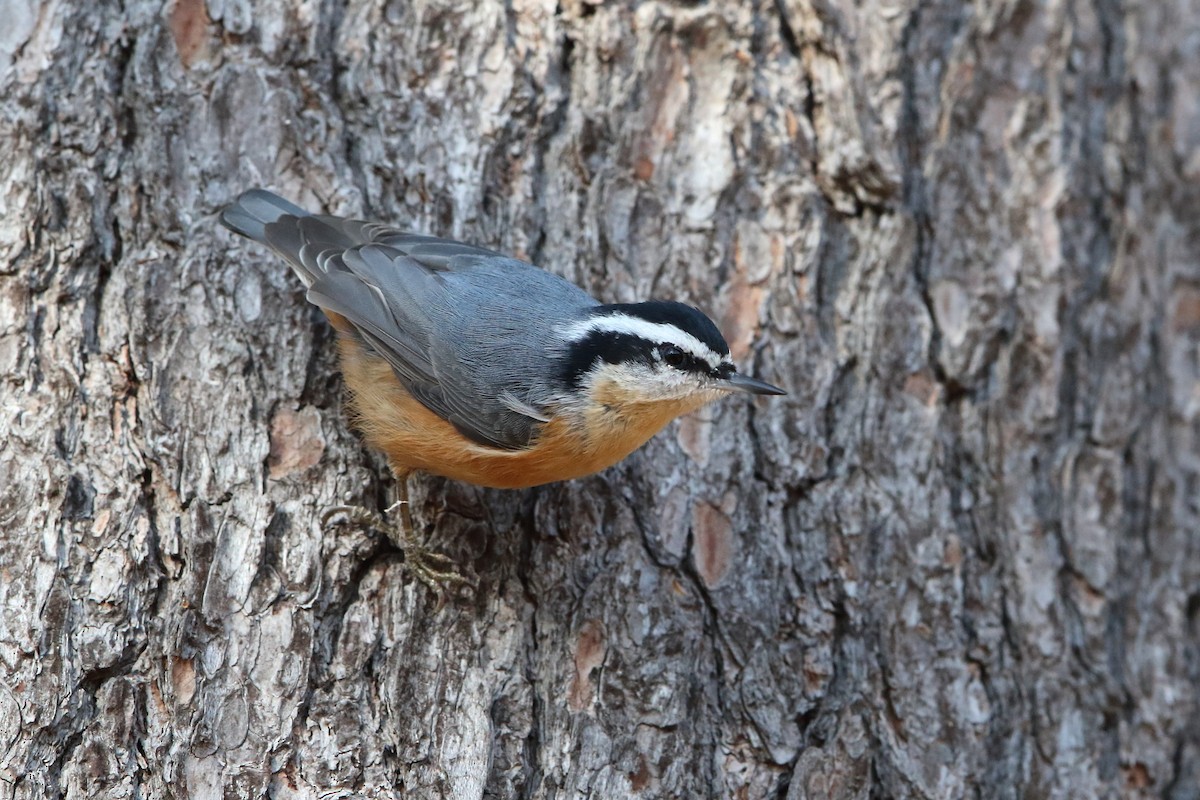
<point x="614" y="348"/>
<point x="682" y="360"/>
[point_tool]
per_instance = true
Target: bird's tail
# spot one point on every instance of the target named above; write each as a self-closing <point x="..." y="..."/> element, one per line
<point x="254" y="210"/>
<point x="292" y="232"/>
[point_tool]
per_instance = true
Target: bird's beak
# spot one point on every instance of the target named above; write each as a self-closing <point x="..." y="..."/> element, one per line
<point x="744" y="383"/>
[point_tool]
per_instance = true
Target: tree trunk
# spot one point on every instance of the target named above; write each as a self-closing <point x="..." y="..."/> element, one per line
<point x="959" y="559"/>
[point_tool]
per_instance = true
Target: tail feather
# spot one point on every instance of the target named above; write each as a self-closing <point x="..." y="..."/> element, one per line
<point x="284" y="227"/>
<point x="254" y="210"/>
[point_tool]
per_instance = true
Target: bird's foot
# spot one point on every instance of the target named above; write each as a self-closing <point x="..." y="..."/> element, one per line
<point x="436" y="570"/>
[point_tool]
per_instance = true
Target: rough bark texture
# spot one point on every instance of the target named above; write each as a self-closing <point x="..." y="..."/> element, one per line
<point x="960" y="559"/>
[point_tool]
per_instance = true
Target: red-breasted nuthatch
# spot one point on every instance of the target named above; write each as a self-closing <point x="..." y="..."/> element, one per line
<point x="469" y="364"/>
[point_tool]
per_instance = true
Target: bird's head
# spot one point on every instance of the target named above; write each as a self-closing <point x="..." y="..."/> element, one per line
<point x="652" y="352"/>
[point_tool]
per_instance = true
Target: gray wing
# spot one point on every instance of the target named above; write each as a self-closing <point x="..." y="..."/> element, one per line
<point x="458" y="324"/>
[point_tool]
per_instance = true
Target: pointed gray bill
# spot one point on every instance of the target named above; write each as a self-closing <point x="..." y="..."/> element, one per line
<point x="744" y="383"/>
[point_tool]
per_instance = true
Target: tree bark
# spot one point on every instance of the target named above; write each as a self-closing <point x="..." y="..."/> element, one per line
<point x="961" y="558"/>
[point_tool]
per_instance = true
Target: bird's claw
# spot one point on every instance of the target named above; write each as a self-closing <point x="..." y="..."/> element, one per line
<point x="437" y="571"/>
<point x="357" y="515"/>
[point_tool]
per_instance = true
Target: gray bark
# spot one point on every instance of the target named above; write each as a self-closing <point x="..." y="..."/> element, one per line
<point x="960" y="559"/>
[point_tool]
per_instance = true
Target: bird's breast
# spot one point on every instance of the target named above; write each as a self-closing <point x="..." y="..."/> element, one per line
<point x="578" y="440"/>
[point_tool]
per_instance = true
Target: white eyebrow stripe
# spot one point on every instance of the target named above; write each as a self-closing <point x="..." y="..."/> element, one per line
<point x="650" y="331"/>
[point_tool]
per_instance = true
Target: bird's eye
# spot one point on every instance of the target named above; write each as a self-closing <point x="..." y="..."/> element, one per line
<point x="672" y="355"/>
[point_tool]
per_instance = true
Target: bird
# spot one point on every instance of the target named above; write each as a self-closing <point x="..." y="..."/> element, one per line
<point x="463" y="362"/>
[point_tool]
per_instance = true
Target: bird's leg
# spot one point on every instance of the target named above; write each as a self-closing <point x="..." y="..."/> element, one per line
<point x="435" y="570"/>
<point x="432" y="568"/>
